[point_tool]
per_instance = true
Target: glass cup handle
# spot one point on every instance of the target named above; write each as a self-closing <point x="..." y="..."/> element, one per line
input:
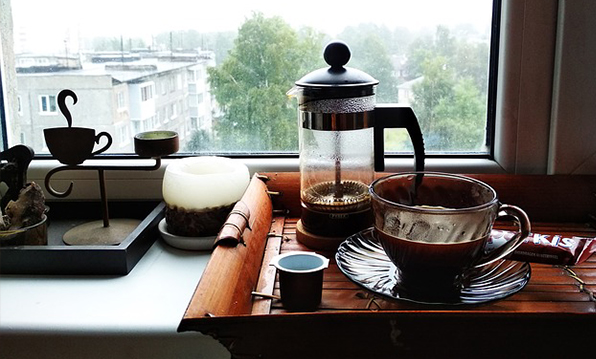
<point x="107" y="145"/>
<point x="524" y="231"/>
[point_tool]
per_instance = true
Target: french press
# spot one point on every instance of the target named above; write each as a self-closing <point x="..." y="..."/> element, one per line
<point x="341" y="147"/>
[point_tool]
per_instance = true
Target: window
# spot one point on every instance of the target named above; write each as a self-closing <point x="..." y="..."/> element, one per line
<point x="164" y="87"/>
<point x="47" y="104"/>
<point x="137" y="126"/>
<point x="172" y="85"/>
<point x="123" y="134"/>
<point x="179" y="82"/>
<point x="121" y="104"/>
<point x="443" y="53"/>
<point x="173" y="111"/>
<point x="536" y="130"/>
<point x="146" y="93"/>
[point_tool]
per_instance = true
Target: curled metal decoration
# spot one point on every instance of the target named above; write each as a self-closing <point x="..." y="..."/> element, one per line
<point x="51" y="190"/>
<point x="62" y="104"/>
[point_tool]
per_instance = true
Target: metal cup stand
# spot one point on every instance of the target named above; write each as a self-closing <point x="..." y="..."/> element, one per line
<point x="152" y="144"/>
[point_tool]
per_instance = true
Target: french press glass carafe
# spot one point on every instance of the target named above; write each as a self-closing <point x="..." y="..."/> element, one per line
<point x="341" y="146"/>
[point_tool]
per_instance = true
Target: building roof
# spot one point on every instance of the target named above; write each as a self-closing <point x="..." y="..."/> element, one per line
<point x="127" y="71"/>
<point x="409" y="84"/>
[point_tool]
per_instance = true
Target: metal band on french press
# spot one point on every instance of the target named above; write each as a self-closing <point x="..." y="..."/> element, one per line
<point x="336" y="121"/>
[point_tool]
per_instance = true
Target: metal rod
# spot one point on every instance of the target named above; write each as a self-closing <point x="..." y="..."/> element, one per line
<point x="266" y="295"/>
<point x="104" y="198"/>
<point x="59" y="194"/>
<point x="339" y="189"/>
<point x="102" y="182"/>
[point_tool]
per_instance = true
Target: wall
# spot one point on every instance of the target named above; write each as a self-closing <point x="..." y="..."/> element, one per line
<point x="573" y="125"/>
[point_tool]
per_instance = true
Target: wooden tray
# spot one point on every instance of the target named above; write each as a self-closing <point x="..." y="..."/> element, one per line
<point x="553" y="316"/>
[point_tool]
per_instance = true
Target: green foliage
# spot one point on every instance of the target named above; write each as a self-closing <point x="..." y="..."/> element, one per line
<point x="450" y="102"/>
<point x="369" y="44"/>
<point x="461" y="118"/>
<point x="251" y="84"/>
<point x="268" y="56"/>
<point x="200" y="141"/>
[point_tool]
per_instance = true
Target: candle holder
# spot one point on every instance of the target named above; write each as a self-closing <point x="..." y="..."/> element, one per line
<point x="74" y="145"/>
<point x="155" y="144"/>
<point x="200" y="193"/>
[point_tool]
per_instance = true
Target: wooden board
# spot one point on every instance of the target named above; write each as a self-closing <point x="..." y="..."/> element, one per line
<point x="553" y="316"/>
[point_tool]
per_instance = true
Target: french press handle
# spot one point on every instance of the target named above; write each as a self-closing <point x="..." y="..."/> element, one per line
<point x="390" y="116"/>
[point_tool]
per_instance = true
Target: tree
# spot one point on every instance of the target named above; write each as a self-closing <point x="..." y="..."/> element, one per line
<point x="450" y="101"/>
<point x="200" y="141"/>
<point x="435" y="88"/>
<point x="462" y="118"/>
<point x="369" y="45"/>
<point x="251" y="84"/>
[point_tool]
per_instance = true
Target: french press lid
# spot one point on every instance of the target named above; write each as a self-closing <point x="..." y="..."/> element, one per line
<point x="337" y="81"/>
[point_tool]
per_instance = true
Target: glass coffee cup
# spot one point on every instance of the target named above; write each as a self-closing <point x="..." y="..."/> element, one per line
<point x="434" y="227"/>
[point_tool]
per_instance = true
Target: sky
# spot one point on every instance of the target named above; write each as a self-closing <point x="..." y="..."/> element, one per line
<point x="60" y="18"/>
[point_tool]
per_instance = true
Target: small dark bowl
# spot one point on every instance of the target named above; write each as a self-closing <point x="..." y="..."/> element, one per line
<point x="156" y="143"/>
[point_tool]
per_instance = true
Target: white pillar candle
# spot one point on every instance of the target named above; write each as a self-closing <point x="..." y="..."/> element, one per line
<point x="197" y="183"/>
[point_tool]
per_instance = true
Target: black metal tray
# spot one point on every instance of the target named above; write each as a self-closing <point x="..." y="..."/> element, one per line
<point x="59" y="258"/>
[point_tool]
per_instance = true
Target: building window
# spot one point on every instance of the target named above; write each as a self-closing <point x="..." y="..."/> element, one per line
<point x="173" y="111"/>
<point x="121" y="104"/>
<point x="166" y="111"/>
<point x="137" y="126"/>
<point x="124" y="137"/>
<point x="47" y="104"/>
<point x="179" y="81"/>
<point x="146" y="93"/>
<point x="164" y="86"/>
<point x="158" y="118"/>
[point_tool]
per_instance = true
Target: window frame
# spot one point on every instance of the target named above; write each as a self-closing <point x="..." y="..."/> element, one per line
<point x="48" y="101"/>
<point x="529" y="64"/>
<point x="146" y="91"/>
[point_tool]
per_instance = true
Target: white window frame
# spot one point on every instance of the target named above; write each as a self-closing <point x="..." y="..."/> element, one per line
<point x="539" y="126"/>
<point x="123" y="133"/>
<point x="120" y="101"/>
<point x="48" y="111"/>
<point x="173" y="106"/>
<point x="147" y="92"/>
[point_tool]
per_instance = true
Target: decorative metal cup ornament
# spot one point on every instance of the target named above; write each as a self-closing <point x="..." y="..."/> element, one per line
<point x="73" y="145"/>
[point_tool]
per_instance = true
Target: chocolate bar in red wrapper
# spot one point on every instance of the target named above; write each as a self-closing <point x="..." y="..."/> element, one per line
<point x="562" y="249"/>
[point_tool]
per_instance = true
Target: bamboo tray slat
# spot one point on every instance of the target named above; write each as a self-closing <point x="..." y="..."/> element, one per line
<point x="353" y="322"/>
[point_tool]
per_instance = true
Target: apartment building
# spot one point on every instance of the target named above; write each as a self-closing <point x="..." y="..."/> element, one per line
<point x="156" y="91"/>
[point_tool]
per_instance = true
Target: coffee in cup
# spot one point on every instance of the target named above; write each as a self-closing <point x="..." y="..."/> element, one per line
<point x="434" y="228"/>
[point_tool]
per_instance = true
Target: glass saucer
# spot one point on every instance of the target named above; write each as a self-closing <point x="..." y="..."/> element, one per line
<point x="362" y="259"/>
